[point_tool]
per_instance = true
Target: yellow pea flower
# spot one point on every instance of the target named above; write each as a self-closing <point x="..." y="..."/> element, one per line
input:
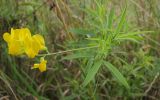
<point x="34" y="45"/>
<point x="41" y="66"/>
<point x="15" y="40"/>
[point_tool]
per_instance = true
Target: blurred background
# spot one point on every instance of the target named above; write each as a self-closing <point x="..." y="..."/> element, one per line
<point x="57" y="20"/>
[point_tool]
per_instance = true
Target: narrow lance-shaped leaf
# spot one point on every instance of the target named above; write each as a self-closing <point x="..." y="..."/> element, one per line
<point x="110" y="18"/>
<point x="89" y="64"/>
<point x="130" y="34"/>
<point x="120" y="24"/>
<point x="133" y="36"/>
<point x="115" y="72"/>
<point x="92" y="72"/>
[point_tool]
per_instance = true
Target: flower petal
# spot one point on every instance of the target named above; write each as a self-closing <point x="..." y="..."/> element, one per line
<point x="15" y="48"/>
<point x="35" y="66"/>
<point x="39" y="41"/>
<point x="42" y="66"/>
<point x="6" y="37"/>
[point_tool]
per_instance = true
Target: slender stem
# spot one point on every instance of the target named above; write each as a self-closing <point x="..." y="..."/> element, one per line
<point x="60" y="52"/>
<point x="152" y="83"/>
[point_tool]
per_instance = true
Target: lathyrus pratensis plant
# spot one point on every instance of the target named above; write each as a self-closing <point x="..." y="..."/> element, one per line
<point x="103" y="33"/>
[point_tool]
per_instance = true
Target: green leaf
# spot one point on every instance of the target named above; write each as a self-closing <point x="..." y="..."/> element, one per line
<point x="110" y="18"/>
<point x="130" y="34"/>
<point x="133" y="36"/>
<point x="120" y="24"/>
<point x="115" y="72"/>
<point x="89" y="65"/>
<point x="92" y="72"/>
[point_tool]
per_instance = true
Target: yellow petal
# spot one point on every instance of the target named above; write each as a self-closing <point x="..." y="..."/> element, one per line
<point x="25" y="34"/>
<point x="15" y="34"/>
<point x="29" y="48"/>
<point x="15" y="48"/>
<point x="42" y="66"/>
<point x="39" y="41"/>
<point x="6" y="37"/>
<point x="35" y="66"/>
<point x="30" y="53"/>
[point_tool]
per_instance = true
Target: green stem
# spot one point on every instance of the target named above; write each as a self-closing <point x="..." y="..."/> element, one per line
<point x="60" y="52"/>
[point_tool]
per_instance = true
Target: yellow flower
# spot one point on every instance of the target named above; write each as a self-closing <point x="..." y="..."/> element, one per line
<point x="20" y="41"/>
<point x="15" y="40"/>
<point x="34" y="45"/>
<point x="41" y="66"/>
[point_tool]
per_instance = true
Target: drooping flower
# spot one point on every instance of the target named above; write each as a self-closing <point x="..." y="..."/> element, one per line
<point x="20" y="41"/>
<point x="41" y="66"/>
